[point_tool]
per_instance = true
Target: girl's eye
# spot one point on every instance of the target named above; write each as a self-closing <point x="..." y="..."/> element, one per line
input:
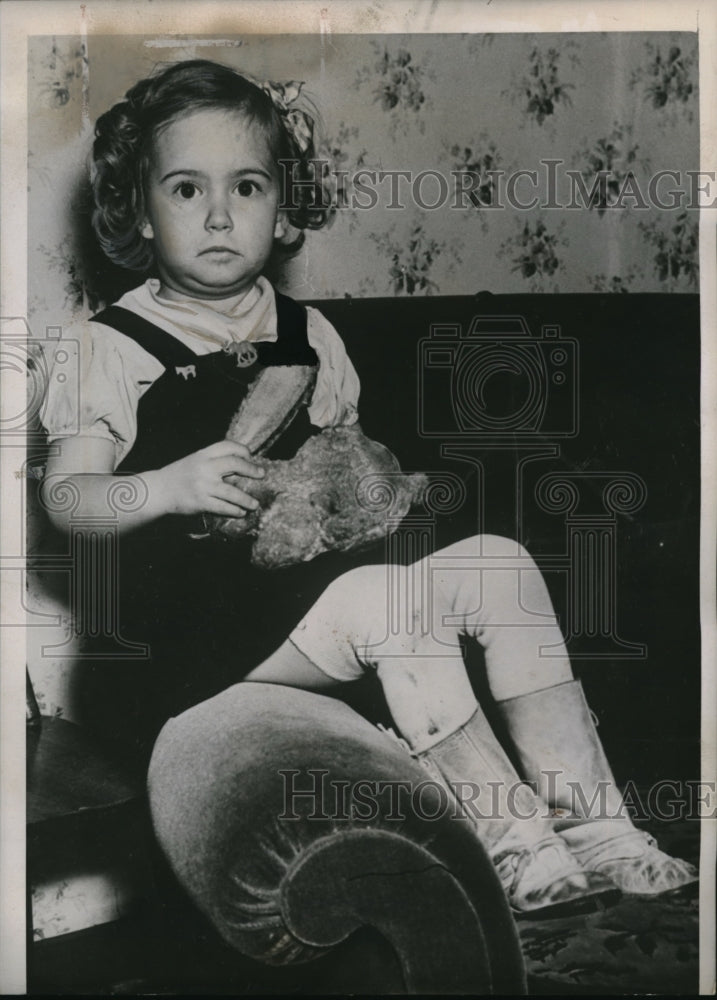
<point x="186" y="190"/>
<point x="247" y="188"/>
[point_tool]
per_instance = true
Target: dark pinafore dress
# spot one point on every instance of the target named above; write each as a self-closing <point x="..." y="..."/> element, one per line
<point x="207" y="615"/>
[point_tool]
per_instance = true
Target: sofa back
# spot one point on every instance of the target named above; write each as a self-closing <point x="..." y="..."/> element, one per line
<point x="572" y="423"/>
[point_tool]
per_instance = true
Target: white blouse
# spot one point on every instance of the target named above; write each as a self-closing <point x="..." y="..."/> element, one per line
<point x="98" y="375"/>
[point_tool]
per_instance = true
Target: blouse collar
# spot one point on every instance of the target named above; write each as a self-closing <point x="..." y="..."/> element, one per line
<point x="250" y="315"/>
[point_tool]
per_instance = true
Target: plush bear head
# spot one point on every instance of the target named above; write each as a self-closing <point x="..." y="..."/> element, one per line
<point x="341" y="491"/>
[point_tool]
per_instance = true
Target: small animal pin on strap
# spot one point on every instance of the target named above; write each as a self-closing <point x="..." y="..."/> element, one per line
<point x="244" y="352"/>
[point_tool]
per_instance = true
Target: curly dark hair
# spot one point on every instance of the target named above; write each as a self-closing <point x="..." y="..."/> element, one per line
<point x="122" y="149"/>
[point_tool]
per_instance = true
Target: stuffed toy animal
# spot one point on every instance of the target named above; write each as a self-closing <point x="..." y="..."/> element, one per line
<point x="341" y="491"/>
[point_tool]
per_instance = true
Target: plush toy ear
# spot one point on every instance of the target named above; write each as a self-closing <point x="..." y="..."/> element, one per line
<point x="146" y="230"/>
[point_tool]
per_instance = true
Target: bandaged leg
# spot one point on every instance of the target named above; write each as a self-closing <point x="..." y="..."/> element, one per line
<point x="385" y="618"/>
<point x="405" y="622"/>
<point x="486" y="587"/>
<point x="493" y="592"/>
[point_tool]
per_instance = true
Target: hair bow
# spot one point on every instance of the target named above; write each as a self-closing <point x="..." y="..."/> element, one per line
<point x="297" y="123"/>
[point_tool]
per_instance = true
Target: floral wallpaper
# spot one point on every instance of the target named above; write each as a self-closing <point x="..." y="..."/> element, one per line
<point x="577" y="124"/>
<point x="542" y="88"/>
<point x="667" y="77"/>
<point x="398" y="85"/>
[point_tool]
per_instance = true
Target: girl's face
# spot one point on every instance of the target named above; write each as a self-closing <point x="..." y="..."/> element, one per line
<point x="212" y="204"/>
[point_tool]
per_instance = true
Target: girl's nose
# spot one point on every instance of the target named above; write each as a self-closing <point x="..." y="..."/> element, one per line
<point x="218" y="217"/>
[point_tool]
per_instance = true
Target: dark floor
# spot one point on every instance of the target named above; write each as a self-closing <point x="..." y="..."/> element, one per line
<point x="639" y="946"/>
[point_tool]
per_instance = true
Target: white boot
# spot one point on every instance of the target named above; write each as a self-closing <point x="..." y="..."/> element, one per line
<point x="558" y="747"/>
<point x="536" y="868"/>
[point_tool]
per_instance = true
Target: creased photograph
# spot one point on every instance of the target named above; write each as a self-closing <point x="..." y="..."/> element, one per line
<point x="362" y="592"/>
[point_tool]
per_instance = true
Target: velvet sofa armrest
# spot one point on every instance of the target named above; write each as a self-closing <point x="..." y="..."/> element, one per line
<point x="291" y="822"/>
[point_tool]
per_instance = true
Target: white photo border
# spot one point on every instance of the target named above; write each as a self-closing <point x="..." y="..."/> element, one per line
<point x="20" y="20"/>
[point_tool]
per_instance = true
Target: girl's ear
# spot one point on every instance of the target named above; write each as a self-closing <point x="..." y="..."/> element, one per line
<point x="282" y="226"/>
<point x="146" y="230"/>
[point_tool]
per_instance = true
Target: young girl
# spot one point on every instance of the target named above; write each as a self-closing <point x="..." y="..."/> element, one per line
<point x="187" y="180"/>
<point x="188" y="186"/>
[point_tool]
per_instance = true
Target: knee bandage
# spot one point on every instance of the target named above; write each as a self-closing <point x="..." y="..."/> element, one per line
<point x="371" y="615"/>
<point x="337" y="626"/>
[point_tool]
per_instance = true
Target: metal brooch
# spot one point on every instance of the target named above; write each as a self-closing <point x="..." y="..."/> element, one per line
<point x="244" y="352"/>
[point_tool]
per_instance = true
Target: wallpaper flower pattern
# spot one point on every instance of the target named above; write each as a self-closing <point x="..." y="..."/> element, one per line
<point x="667" y="77"/>
<point x="610" y="161"/>
<point x="541" y="89"/>
<point x="676" y="258"/>
<point x="422" y="138"/>
<point x="535" y="253"/>
<point x="398" y="86"/>
<point x="413" y="259"/>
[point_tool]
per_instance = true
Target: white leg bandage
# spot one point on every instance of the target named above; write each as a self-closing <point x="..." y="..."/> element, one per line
<point x="405" y="622"/>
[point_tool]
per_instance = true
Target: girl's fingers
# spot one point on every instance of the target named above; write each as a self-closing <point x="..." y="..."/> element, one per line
<point x="224" y="509"/>
<point x="223" y="449"/>
<point x="238" y="498"/>
<point x="236" y="465"/>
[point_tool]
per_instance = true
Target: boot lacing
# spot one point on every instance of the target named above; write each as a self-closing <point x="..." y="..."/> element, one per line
<point x="555" y="861"/>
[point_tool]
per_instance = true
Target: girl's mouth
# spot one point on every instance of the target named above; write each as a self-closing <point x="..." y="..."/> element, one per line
<point x="218" y="250"/>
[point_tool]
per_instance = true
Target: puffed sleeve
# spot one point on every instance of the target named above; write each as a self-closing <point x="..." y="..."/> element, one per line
<point x="96" y="377"/>
<point x="335" y="399"/>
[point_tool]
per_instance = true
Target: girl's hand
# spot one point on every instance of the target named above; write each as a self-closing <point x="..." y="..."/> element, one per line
<point x="197" y="484"/>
